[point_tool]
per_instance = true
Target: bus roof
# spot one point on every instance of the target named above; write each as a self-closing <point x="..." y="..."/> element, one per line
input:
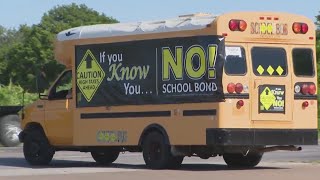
<point x="184" y="22"/>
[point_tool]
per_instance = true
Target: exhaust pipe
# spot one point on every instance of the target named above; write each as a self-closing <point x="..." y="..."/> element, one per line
<point x="276" y="148"/>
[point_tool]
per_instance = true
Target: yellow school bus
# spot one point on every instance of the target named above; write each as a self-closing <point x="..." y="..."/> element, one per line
<point x="237" y="85"/>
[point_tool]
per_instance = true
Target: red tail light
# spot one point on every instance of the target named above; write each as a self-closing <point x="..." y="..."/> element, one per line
<point x="231" y="88"/>
<point x="239" y="88"/>
<point x="305" y="104"/>
<point x="312" y="89"/>
<point x="305" y="89"/>
<point x="300" y="28"/>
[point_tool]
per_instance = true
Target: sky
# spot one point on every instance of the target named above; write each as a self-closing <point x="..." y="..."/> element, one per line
<point x="14" y="12"/>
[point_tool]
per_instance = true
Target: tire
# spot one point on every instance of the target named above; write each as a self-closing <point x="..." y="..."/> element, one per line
<point x="36" y="148"/>
<point x="239" y="160"/>
<point x="157" y="154"/>
<point x="106" y="157"/>
<point x="9" y="130"/>
<point x="175" y="162"/>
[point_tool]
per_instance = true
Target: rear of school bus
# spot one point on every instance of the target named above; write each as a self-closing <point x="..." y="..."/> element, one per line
<point x="270" y="82"/>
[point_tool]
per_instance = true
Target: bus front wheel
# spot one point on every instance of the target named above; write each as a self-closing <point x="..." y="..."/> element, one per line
<point x="36" y="148"/>
<point x="239" y="160"/>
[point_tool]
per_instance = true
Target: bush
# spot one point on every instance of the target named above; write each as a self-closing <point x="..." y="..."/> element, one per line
<point x="13" y="95"/>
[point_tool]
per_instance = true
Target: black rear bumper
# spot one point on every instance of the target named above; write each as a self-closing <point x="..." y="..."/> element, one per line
<point x="262" y="136"/>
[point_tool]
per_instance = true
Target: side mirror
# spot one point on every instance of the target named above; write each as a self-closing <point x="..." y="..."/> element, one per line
<point x="42" y="83"/>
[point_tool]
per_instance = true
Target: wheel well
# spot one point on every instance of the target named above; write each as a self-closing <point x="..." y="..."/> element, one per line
<point x="34" y="126"/>
<point x="152" y="128"/>
<point x="30" y="127"/>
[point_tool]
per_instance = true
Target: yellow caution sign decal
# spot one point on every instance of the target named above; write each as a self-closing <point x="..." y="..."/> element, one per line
<point x="89" y="75"/>
<point x="267" y="98"/>
<point x="272" y="99"/>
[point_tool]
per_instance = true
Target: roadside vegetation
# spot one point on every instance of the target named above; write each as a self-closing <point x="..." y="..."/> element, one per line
<point x="15" y="95"/>
<point x="27" y="50"/>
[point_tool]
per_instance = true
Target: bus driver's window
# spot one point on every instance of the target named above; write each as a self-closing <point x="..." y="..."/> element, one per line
<point x="63" y="88"/>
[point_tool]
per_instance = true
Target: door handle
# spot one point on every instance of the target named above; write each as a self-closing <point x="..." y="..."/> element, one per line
<point x="40" y="106"/>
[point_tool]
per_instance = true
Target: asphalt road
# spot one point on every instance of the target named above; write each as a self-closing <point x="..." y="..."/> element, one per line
<point x="75" y="165"/>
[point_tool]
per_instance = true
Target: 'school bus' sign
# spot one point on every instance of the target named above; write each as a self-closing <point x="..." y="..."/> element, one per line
<point x="161" y="71"/>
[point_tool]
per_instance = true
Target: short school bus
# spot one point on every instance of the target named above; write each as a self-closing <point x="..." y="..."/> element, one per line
<point x="236" y="85"/>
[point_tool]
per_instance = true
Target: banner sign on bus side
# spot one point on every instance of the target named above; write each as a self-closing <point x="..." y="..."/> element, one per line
<point x="158" y="71"/>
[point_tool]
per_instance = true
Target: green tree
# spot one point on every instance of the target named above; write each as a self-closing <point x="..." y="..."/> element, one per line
<point x="35" y="50"/>
<point x="8" y="38"/>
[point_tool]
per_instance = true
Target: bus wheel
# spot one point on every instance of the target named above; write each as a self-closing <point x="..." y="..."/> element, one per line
<point x="156" y="153"/>
<point x="36" y="148"/>
<point x="9" y="130"/>
<point x="239" y="160"/>
<point x="175" y="162"/>
<point x="106" y="157"/>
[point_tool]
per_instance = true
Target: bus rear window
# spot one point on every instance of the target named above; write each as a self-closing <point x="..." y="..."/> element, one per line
<point x="302" y="62"/>
<point x="235" y="63"/>
<point x="269" y="61"/>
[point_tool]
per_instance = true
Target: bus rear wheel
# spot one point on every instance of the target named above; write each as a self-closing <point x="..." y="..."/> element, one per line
<point x="105" y="157"/>
<point x="239" y="160"/>
<point x="157" y="153"/>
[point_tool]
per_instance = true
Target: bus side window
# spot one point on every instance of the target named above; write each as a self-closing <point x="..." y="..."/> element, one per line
<point x="235" y="62"/>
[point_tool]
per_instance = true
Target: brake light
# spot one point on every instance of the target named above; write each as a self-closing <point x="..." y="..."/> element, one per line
<point x="238" y="88"/>
<point x="300" y="28"/>
<point x="312" y="89"/>
<point x="305" y="89"/>
<point x="237" y="25"/>
<point x="231" y="88"/>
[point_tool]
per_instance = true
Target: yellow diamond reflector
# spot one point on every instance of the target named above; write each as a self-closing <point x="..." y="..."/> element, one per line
<point x="270" y="70"/>
<point x="260" y="69"/>
<point x="279" y="70"/>
<point x="89" y="75"/>
<point x="267" y="98"/>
